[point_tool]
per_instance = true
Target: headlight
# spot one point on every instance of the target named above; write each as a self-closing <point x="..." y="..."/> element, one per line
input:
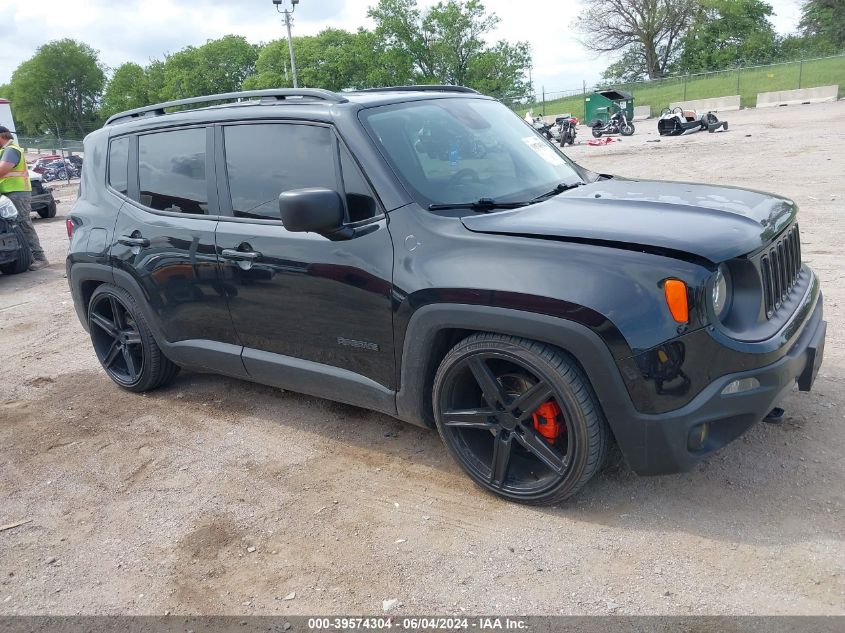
<point x="721" y="290"/>
<point x="8" y="211"/>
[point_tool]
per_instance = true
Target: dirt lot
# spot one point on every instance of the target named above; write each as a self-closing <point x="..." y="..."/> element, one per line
<point x="153" y="504"/>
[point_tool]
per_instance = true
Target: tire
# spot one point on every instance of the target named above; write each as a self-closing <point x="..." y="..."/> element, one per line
<point x="24" y="260"/>
<point x="124" y="343"/>
<point x="49" y="211"/>
<point x="628" y="130"/>
<point x="500" y="445"/>
<point x="596" y="132"/>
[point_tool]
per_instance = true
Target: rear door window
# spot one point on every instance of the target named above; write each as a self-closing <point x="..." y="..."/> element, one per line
<point x="171" y="171"/>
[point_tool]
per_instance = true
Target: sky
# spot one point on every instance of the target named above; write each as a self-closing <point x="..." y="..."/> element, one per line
<point x="135" y="30"/>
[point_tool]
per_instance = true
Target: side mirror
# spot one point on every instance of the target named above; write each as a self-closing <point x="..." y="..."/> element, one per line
<point x="314" y="210"/>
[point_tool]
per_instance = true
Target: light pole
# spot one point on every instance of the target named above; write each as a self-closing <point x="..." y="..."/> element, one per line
<point x="288" y="19"/>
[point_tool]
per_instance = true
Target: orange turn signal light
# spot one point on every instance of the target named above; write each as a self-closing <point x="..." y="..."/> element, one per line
<point x="676" y="298"/>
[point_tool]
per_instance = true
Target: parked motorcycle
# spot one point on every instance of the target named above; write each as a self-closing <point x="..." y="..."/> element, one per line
<point x="542" y="127"/>
<point x="59" y="170"/>
<point x="567" y="129"/>
<point x="618" y="124"/>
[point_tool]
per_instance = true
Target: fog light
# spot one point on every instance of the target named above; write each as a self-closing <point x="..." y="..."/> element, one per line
<point x="698" y="436"/>
<point x="738" y="386"/>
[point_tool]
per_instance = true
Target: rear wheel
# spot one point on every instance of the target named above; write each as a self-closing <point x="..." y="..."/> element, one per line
<point x="596" y="132"/>
<point x="519" y="417"/>
<point x="123" y="342"/>
<point x="24" y="260"/>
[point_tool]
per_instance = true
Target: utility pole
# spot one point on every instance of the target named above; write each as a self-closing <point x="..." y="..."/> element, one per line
<point x="288" y="13"/>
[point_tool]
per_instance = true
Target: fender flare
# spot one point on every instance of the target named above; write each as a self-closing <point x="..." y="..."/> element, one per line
<point x="576" y="339"/>
<point x="77" y="274"/>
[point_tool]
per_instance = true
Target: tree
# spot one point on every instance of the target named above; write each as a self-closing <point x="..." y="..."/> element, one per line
<point x="627" y="69"/>
<point x="824" y="20"/>
<point x="216" y="66"/>
<point x="456" y="37"/>
<point x="446" y="45"/>
<point x="59" y="89"/>
<point x="499" y="72"/>
<point x="727" y="33"/>
<point x="646" y="30"/>
<point x="332" y="59"/>
<point x="127" y="89"/>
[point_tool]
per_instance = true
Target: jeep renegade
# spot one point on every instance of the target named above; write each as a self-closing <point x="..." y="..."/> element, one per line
<point x="423" y="252"/>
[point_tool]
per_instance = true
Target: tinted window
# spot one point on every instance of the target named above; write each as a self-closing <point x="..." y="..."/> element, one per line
<point x="360" y="203"/>
<point x="264" y="160"/>
<point x="171" y="171"/>
<point x="119" y="164"/>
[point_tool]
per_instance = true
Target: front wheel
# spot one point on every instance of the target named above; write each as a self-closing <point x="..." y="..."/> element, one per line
<point x="49" y="211"/>
<point x="123" y="342"/>
<point x="628" y="129"/>
<point x="519" y="417"/>
<point x="597" y="132"/>
<point x="22" y="263"/>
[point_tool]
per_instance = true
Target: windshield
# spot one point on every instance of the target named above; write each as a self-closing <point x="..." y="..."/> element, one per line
<point x="457" y="151"/>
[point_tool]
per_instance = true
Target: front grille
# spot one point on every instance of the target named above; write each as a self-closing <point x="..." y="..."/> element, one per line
<point x="780" y="267"/>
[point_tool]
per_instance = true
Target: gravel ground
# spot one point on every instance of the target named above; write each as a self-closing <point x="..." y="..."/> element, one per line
<point x="224" y="497"/>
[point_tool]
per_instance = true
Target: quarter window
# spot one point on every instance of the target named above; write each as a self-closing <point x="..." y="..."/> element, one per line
<point x="119" y="164"/>
<point x="263" y="160"/>
<point x="171" y="171"/>
<point x="360" y="203"/>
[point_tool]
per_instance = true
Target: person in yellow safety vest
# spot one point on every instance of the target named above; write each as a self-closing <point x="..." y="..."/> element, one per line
<point x="15" y="185"/>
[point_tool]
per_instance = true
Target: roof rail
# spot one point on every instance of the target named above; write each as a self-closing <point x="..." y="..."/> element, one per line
<point x="421" y="88"/>
<point x="272" y="95"/>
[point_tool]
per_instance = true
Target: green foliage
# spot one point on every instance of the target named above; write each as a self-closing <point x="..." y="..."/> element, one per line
<point x="727" y="33"/>
<point x="127" y="89"/>
<point x="823" y="22"/>
<point x="630" y="67"/>
<point x="499" y="72"/>
<point x="333" y="59"/>
<point x="216" y="66"/>
<point x="445" y="44"/>
<point x="58" y="89"/>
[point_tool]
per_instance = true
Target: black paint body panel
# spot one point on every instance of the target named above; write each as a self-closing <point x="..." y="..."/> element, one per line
<point x="367" y="320"/>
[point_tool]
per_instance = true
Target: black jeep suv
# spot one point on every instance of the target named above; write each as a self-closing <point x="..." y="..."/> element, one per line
<point x="423" y="252"/>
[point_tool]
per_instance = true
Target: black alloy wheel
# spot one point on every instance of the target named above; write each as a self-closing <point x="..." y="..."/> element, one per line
<point x="123" y="343"/>
<point x="489" y="393"/>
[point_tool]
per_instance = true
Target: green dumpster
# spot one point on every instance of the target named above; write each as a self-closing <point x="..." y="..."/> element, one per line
<point x="601" y="105"/>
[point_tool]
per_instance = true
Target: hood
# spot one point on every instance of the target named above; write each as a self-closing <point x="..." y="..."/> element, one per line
<point x="716" y="223"/>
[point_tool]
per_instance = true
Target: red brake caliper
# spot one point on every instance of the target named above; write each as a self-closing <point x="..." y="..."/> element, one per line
<point x="548" y="421"/>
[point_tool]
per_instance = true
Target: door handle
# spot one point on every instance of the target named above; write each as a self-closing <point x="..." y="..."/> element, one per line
<point x="126" y="240"/>
<point x="232" y="253"/>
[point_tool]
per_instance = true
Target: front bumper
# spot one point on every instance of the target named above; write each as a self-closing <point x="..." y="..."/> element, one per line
<point x="663" y="438"/>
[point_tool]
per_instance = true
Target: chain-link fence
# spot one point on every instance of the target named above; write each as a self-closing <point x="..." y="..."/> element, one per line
<point x="49" y="145"/>
<point x="747" y="82"/>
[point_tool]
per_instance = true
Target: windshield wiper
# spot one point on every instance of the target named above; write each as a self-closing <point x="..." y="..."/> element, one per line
<point x="482" y="204"/>
<point x="559" y="189"/>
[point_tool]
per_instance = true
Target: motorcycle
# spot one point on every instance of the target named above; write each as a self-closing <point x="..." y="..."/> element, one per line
<point x="60" y="170"/>
<point x="542" y="127"/>
<point x="566" y="129"/>
<point x="680" y="122"/>
<point x="618" y="124"/>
